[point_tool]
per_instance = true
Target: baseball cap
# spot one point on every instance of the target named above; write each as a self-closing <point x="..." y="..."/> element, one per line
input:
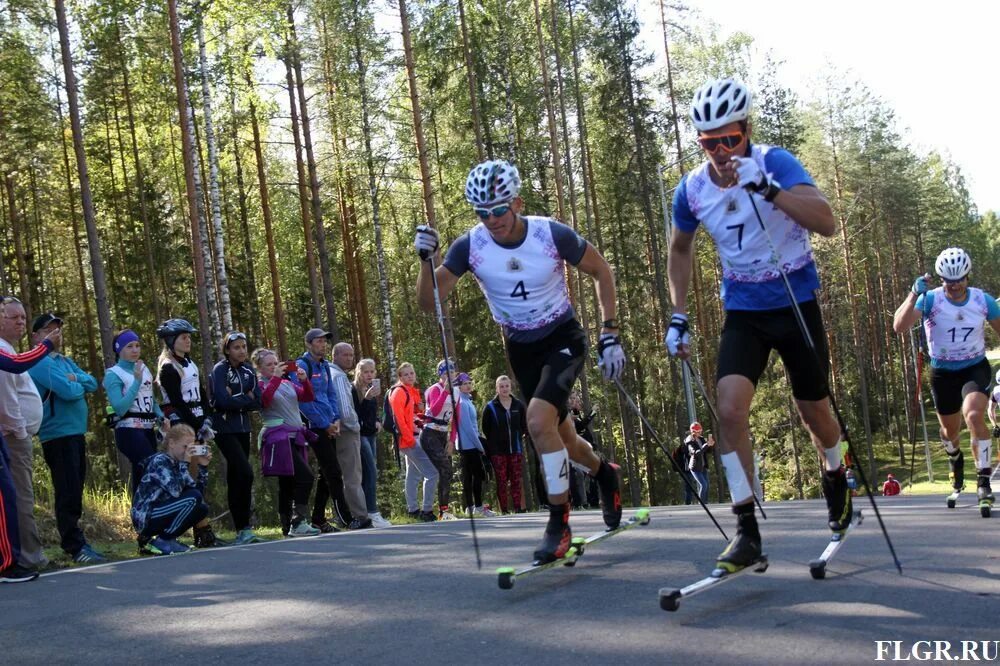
<point x="43" y="320"/>
<point x="314" y="333"/>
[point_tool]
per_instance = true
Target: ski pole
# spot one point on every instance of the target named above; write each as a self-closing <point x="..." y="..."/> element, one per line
<point x="718" y="424"/>
<point x="800" y="320"/>
<point x="466" y="495"/>
<point x="649" y="427"/>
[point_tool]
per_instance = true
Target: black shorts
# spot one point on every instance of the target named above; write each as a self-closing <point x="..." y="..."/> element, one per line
<point x="949" y="387"/>
<point x="548" y="368"/>
<point x="748" y="336"/>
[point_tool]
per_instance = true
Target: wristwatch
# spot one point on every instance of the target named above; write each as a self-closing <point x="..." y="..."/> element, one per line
<point x="610" y="323"/>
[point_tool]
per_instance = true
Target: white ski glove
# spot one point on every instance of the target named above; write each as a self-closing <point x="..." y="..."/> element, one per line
<point x="610" y="356"/>
<point x="677" y="334"/>
<point x="750" y="177"/>
<point x="426" y="242"/>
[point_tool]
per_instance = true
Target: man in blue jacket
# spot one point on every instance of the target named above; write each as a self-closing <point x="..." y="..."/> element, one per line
<point x="322" y="415"/>
<point x="63" y="386"/>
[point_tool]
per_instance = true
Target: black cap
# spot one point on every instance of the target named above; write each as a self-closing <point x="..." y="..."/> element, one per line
<point x="43" y="320"/>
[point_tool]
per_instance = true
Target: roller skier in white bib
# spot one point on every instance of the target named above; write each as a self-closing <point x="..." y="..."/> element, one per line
<point x="759" y="315"/>
<point x="519" y="263"/>
<point x="954" y="317"/>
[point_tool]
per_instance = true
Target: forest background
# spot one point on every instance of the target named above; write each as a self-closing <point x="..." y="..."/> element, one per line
<point x="261" y="167"/>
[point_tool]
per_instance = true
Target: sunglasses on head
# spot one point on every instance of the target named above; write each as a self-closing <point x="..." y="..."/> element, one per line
<point x="4" y="300"/>
<point x="233" y="337"/>
<point x="496" y="211"/>
<point x="727" y="142"/>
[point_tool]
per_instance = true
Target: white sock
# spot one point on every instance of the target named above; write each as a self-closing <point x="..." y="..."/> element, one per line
<point x="834" y="459"/>
<point x="739" y="489"/>
<point x="985" y="453"/>
<point x="949" y="447"/>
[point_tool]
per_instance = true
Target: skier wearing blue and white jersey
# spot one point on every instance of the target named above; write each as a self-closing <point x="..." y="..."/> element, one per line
<point x="759" y="316"/>
<point x="519" y="262"/>
<point x="954" y="317"/>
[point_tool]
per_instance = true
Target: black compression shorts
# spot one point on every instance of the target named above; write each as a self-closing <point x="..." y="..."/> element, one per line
<point x="748" y="336"/>
<point x="949" y="387"/>
<point x="548" y="368"/>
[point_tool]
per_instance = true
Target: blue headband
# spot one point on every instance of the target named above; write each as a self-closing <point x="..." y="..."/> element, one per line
<point x="124" y="338"/>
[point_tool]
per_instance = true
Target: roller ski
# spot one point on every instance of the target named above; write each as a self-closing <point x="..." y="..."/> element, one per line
<point x="817" y="568"/>
<point x="743" y="554"/>
<point x="641" y="517"/>
<point x="507" y="576"/>
<point x="985" y="494"/>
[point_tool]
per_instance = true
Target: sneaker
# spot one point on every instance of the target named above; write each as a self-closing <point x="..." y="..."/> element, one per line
<point x="428" y="516"/>
<point x="145" y="548"/>
<point x="326" y="527"/>
<point x="473" y="511"/>
<point x="838" y="500"/>
<point x="15" y="573"/>
<point x="303" y="529"/>
<point x="378" y="520"/>
<point x="611" y="497"/>
<point x="557" y="537"/>
<point x="745" y="548"/>
<point x="246" y="536"/>
<point x="155" y="546"/>
<point x="204" y="537"/>
<point x="359" y="524"/>
<point x="447" y="515"/>
<point x="487" y="513"/>
<point x="415" y="514"/>
<point x="176" y="546"/>
<point x="88" y="555"/>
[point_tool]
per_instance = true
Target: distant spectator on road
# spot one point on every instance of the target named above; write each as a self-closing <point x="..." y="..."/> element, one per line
<point x="10" y="570"/>
<point x="63" y="387"/>
<point x="504" y="425"/>
<point x="367" y="388"/>
<point x="235" y="395"/>
<point x="891" y="486"/>
<point x="323" y="417"/>
<point x="349" y="439"/>
<point x="406" y="403"/>
<point x="170" y="499"/>
<point x="283" y="426"/>
<point x="133" y="409"/>
<point x="470" y="449"/>
<point x="698" y="448"/>
<point x="20" y="419"/>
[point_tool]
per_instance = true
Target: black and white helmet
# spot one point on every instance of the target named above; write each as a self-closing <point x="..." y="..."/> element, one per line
<point x="719" y="102"/>
<point x="492" y="182"/>
<point x="953" y="264"/>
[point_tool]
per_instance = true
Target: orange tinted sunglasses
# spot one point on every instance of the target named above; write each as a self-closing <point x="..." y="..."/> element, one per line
<point x="727" y="142"/>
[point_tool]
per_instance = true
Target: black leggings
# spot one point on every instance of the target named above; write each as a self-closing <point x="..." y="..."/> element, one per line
<point x="331" y="481"/>
<point x="235" y="446"/>
<point x="293" y="491"/>
<point x="473" y="475"/>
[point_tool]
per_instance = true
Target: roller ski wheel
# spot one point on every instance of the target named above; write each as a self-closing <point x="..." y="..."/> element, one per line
<point x="985" y="509"/>
<point x="578" y="546"/>
<point x="953" y="497"/>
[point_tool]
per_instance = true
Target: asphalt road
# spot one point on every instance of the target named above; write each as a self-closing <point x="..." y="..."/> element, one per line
<point x="412" y="594"/>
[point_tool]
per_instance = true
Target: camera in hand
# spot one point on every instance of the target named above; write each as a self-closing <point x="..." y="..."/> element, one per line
<point x="200" y="450"/>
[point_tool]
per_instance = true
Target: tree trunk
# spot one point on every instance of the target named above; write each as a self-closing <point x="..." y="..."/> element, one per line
<point x="221" y="277"/>
<point x="187" y="150"/>
<point x="94" y="243"/>
<point x="20" y="261"/>
<point x="317" y="208"/>
<point x="470" y="75"/>
<point x="265" y="205"/>
<point x="215" y="332"/>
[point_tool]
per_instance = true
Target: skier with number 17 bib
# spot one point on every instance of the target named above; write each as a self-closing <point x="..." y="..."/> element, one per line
<point x="759" y="314"/>
<point x="955" y="316"/>
<point x="519" y="262"/>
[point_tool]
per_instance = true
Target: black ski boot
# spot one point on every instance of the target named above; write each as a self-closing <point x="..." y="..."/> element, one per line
<point x="557" y="538"/>
<point x="983" y="489"/>
<point x="956" y="462"/>
<point x="838" y="499"/>
<point x="204" y="537"/>
<point x="611" y="497"/>
<point x="745" y="549"/>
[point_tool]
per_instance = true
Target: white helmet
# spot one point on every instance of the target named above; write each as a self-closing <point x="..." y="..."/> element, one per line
<point x="953" y="264"/>
<point x="492" y="182"/>
<point x="719" y="102"/>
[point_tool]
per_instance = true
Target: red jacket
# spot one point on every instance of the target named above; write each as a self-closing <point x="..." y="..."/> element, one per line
<point x="890" y="487"/>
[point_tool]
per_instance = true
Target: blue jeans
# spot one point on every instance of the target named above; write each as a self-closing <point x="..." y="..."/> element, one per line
<point x="418" y="466"/>
<point x="701" y="478"/>
<point x="369" y="472"/>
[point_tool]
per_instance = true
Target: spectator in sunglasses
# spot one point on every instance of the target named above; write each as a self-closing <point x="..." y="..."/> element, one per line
<point x="234" y="395"/>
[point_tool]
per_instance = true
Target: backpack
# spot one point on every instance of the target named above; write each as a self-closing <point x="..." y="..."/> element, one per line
<point x="680" y="456"/>
<point x="388" y="419"/>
